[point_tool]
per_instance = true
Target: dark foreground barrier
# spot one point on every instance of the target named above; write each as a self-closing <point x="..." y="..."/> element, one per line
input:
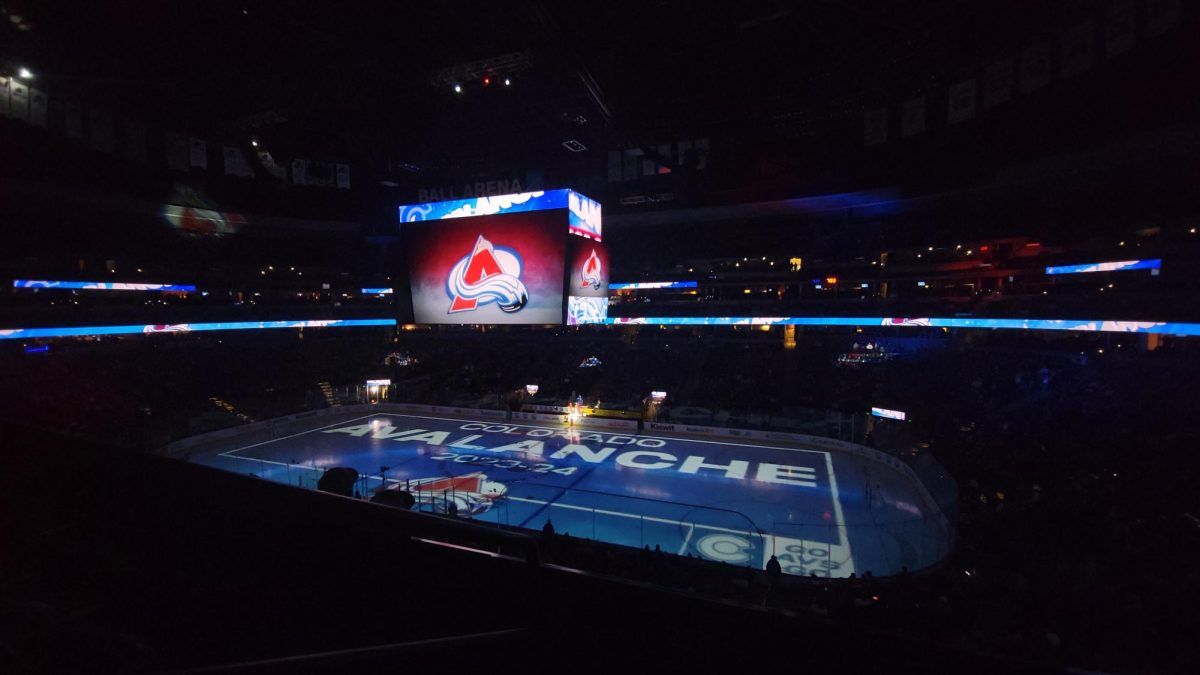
<point x="133" y="563"/>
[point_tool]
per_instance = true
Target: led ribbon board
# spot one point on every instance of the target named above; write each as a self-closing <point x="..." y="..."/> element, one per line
<point x="1081" y="325"/>
<point x="86" y="331"/>
<point x="889" y="414"/>
<point x="1115" y="266"/>
<point x="646" y="285"/>
<point x="101" y="286"/>
<point x="584" y="214"/>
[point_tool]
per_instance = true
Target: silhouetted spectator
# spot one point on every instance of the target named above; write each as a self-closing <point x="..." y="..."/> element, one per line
<point x="774" y="568"/>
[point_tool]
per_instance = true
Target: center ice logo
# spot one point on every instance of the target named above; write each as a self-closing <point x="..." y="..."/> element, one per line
<point x="488" y="274"/>
<point x="471" y="494"/>
<point x="591" y="271"/>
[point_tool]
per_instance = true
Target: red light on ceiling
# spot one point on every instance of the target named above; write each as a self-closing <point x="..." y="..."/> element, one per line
<point x="983" y="248"/>
<point x="487" y="81"/>
<point x="1033" y="244"/>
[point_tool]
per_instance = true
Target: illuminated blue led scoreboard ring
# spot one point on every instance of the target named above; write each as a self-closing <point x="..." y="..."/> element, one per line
<point x="652" y="285"/>
<point x="42" y="284"/>
<point x="1076" y="325"/>
<point x="1112" y="266"/>
<point x="1092" y="326"/>
<point x="178" y="328"/>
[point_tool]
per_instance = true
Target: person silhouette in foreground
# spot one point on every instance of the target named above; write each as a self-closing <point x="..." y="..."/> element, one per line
<point x="774" y="568"/>
<point x="774" y="572"/>
<point x="548" y="529"/>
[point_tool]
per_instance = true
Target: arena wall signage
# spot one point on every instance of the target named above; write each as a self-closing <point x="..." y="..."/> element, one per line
<point x="487" y="188"/>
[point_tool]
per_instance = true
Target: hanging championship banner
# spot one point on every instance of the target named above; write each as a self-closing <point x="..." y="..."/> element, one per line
<point x="875" y="127"/>
<point x="997" y="83"/>
<point x="18" y="101"/>
<point x="1035" y="67"/>
<point x="1077" y="49"/>
<point x="912" y="118"/>
<point x="961" y="102"/>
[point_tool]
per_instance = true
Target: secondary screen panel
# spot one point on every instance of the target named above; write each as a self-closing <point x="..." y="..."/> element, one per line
<point x="505" y="268"/>
<point x="589" y="268"/>
<point x="587" y="282"/>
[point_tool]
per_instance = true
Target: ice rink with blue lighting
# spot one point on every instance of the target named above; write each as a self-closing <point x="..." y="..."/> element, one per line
<point x="821" y="512"/>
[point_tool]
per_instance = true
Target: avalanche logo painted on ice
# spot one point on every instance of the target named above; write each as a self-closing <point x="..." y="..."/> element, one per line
<point x="591" y="271"/>
<point x="489" y="274"/>
<point x="471" y="494"/>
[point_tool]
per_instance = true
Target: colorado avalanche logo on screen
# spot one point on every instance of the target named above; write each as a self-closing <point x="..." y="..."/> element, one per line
<point x="488" y="274"/>
<point x="591" y="271"/>
<point x="905" y="322"/>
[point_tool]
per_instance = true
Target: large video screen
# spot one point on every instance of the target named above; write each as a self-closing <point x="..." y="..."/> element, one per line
<point x="587" y="282"/>
<point x="505" y="268"/>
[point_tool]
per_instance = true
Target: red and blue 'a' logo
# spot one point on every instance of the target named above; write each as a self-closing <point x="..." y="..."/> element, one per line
<point x="472" y="494"/>
<point x="592" y="272"/>
<point x="489" y="274"/>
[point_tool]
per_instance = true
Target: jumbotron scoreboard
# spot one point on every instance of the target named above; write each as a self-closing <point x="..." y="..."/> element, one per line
<point x="527" y="258"/>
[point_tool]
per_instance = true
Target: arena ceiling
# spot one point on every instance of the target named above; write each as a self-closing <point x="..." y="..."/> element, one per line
<point x="375" y="80"/>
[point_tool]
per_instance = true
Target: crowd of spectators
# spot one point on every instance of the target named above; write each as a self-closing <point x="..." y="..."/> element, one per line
<point x="144" y="391"/>
<point x="1090" y="298"/>
<point x="55" y="308"/>
<point x="1075" y="508"/>
<point x="1074" y="514"/>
